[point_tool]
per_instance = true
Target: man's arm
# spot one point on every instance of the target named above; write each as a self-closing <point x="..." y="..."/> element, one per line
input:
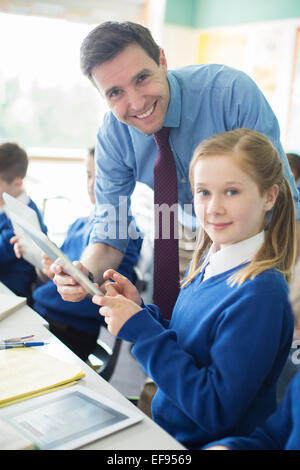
<point x="95" y="260"/>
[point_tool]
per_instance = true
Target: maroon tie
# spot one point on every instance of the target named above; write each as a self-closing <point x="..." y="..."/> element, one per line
<point x="166" y="259"/>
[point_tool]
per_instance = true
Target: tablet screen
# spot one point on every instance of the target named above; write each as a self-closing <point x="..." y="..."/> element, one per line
<point x="67" y="420"/>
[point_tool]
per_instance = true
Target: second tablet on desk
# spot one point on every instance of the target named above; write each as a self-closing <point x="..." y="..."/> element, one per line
<point x="68" y="419"/>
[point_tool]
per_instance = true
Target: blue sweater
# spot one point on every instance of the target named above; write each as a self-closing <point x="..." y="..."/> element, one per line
<point x="280" y="432"/>
<point x="82" y="315"/>
<point x="17" y="274"/>
<point x="216" y="363"/>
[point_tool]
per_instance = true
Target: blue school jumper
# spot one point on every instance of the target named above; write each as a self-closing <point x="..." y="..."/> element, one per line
<point x="84" y="315"/>
<point x="17" y="274"/>
<point x="217" y="362"/>
<point x="280" y="432"/>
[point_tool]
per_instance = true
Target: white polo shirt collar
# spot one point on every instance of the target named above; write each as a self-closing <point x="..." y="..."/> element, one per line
<point x="219" y="261"/>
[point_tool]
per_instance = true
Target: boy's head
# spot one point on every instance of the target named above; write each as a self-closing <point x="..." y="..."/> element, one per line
<point x="294" y="161"/>
<point x="13" y="168"/>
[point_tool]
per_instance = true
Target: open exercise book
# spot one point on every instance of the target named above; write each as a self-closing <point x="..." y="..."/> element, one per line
<point x="28" y="372"/>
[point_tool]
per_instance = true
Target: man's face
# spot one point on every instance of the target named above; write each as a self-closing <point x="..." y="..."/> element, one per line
<point x="135" y="88"/>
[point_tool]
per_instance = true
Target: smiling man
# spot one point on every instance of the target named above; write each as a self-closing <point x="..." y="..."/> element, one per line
<point x="139" y="98"/>
<point x="130" y="71"/>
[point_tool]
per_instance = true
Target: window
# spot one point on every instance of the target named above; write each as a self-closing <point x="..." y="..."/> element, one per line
<point x="45" y="101"/>
<point x="48" y="107"/>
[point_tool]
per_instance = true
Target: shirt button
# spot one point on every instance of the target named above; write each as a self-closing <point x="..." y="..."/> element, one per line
<point x="183" y="180"/>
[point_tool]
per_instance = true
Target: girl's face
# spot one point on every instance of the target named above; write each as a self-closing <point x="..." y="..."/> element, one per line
<point x="227" y="200"/>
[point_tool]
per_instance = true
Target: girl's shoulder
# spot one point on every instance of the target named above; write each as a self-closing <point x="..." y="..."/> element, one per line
<point x="270" y="281"/>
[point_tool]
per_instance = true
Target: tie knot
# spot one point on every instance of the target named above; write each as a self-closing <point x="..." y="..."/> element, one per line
<point x="161" y="137"/>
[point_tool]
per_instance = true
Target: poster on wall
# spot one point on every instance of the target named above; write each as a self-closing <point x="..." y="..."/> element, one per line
<point x="262" y="50"/>
<point x="223" y="47"/>
<point x="256" y="49"/>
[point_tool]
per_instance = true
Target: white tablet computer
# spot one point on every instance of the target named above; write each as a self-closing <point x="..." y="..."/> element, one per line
<point x="49" y="248"/>
<point x="68" y="418"/>
<point x="31" y="252"/>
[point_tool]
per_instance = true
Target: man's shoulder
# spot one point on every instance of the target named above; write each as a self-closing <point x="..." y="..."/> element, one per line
<point x="208" y="73"/>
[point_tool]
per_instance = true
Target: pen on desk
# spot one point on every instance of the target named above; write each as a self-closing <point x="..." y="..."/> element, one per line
<point x="16" y="340"/>
<point x="21" y="345"/>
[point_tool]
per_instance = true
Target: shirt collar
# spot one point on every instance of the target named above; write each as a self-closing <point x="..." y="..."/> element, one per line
<point x="232" y="256"/>
<point x="174" y="109"/>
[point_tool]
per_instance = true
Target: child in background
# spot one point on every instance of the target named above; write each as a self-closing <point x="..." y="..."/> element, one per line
<point x="217" y="361"/>
<point x="294" y="161"/>
<point x="17" y="274"/>
<point x="77" y="324"/>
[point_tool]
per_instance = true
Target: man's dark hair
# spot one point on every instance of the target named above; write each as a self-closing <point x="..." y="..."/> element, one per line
<point x="109" y="39"/>
<point x="13" y="162"/>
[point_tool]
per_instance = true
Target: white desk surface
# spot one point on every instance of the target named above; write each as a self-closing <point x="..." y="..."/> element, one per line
<point x="145" y="435"/>
<point x="24" y="315"/>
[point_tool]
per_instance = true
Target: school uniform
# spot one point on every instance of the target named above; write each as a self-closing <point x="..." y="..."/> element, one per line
<point x="280" y="432"/>
<point x="17" y="274"/>
<point x="217" y="361"/>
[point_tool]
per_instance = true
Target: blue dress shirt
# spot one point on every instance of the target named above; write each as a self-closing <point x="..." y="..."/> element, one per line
<point x="204" y="100"/>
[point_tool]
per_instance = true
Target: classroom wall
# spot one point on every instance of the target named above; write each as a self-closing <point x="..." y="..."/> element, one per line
<point x="212" y="13"/>
<point x="259" y="38"/>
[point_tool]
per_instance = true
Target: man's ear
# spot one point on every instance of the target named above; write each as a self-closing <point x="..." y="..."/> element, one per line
<point x="271" y="196"/>
<point x="163" y="60"/>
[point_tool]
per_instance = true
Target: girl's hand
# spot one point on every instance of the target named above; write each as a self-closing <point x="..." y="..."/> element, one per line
<point x="121" y="285"/>
<point x="116" y="310"/>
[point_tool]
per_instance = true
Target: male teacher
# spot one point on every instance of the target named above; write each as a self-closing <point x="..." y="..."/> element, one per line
<point x="156" y="119"/>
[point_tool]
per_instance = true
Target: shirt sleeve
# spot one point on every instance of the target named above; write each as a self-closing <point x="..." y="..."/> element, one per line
<point x="219" y="393"/>
<point x="130" y="259"/>
<point x="247" y="107"/>
<point x="114" y="185"/>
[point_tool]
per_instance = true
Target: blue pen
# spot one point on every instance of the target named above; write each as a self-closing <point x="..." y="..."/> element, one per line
<point x="21" y="345"/>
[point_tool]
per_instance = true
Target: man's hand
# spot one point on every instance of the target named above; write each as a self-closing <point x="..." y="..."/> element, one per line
<point x="47" y="263"/>
<point x="67" y="286"/>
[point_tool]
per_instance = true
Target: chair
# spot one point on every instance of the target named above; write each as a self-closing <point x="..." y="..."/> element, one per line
<point x="107" y="356"/>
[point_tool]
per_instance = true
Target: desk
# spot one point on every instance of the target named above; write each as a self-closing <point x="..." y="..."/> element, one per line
<point x="23" y="316"/>
<point x="144" y="435"/>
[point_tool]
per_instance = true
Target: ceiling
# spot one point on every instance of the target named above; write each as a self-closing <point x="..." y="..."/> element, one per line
<point x="86" y="11"/>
